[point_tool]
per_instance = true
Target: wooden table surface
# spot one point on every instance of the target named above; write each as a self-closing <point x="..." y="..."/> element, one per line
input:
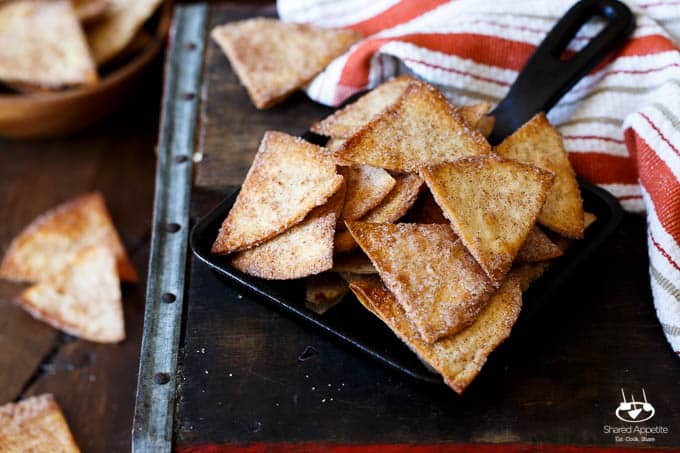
<point x="94" y="384"/>
<point x="243" y="378"/>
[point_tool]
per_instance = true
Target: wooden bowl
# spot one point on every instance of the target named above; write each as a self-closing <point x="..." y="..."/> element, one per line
<point x="43" y="114"/>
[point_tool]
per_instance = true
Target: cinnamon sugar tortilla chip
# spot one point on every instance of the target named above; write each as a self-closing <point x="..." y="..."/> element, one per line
<point x="288" y="178"/>
<point x="538" y="247"/>
<point x="366" y="188"/>
<point x="305" y="249"/>
<point x="324" y="291"/>
<point x="458" y="358"/>
<point x="273" y="58"/>
<point x="527" y="273"/>
<point x="114" y="32"/>
<point x="538" y="143"/>
<point x="422" y="128"/>
<point x="83" y="300"/>
<point x="35" y="425"/>
<point x="588" y="219"/>
<point x="51" y="242"/>
<point x="91" y="10"/>
<point x="353" y="263"/>
<point x="42" y="44"/>
<point x="392" y="208"/>
<point x="492" y="204"/>
<point x="476" y="116"/>
<point x="349" y="120"/>
<point x="437" y="282"/>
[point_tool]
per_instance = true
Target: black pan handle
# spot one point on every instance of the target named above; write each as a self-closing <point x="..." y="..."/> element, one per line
<point x="547" y="77"/>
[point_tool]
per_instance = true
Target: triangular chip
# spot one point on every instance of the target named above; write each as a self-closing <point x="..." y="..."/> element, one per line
<point x="476" y="116"/>
<point x="527" y="273"/>
<point x="492" y="204"/>
<point x="288" y="178"/>
<point x="324" y="291"/>
<point x="83" y="300"/>
<point x="91" y="10"/>
<point x="538" y="143"/>
<point x="435" y="279"/>
<point x="51" y="242"/>
<point x="305" y="249"/>
<point x="353" y="263"/>
<point x="538" y="247"/>
<point x="588" y="219"/>
<point x="366" y="188"/>
<point x="421" y="129"/>
<point x="458" y="358"/>
<point x="349" y="120"/>
<point x="112" y="33"/>
<point x="42" y="44"/>
<point x="35" y="425"/>
<point x="391" y="209"/>
<point x="274" y="58"/>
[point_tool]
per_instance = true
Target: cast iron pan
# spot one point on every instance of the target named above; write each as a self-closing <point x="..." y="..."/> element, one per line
<point x="542" y="82"/>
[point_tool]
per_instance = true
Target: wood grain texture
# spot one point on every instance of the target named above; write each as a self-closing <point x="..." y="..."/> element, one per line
<point x="94" y="384"/>
<point x="242" y="378"/>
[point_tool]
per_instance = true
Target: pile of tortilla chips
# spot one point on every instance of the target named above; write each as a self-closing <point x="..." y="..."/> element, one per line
<point x="74" y="259"/>
<point x="436" y="232"/>
<point x="55" y="44"/>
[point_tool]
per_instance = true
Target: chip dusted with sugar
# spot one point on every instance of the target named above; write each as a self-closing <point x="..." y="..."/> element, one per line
<point x="273" y="58"/>
<point x="35" y="425"/>
<point x="492" y="204"/>
<point x="366" y="188"/>
<point x="288" y="178"/>
<point x="305" y="249"/>
<point x="538" y="143"/>
<point x="458" y="358"/>
<point x="432" y="275"/>
<point x="110" y="35"/>
<point x="83" y="300"/>
<point x="421" y="129"/>
<point x="42" y="44"/>
<point x="349" y="120"/>
<point x="538" y="247"/>
<point x="51" y="242"/>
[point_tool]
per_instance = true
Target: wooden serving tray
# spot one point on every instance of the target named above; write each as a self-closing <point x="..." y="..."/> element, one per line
<point x="218" y="367"/>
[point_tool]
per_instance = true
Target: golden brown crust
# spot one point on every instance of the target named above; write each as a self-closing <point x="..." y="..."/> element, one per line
<point x="366" y="188"/>
<point x="324" y="291"/>
<point x="347" y="121"/>
<point x="273" y="59"/>
<point x="83" y="300"/>
<point x="476" y="116"/>
<point x="35" y="425"/>
<point x="43" y="45"/>
<point x="50" y="243"/>
<point x="110" y="35"/>
<point x="391" y="209"/>
<point x="458" y="358"/>
<point x="305" y="249"/>
<point x="537" y="247"/>
<point x="538" y="143"/>
<point x="437" y="282"/>
<point x="492" y="204"/>
<point x="420" y="129"/>
<point x="288" y="178"/>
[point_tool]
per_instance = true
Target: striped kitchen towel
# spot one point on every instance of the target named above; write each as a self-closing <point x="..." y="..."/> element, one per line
<point x="621" y="123"/>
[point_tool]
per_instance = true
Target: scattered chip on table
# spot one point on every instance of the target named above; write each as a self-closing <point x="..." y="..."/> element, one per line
<point x="347" y="121"/>
<point x="273" y="58"/>
<point x="288" y="178"/>
<point x="421" y="129"/>
<point x="492" y="204"/>
<point x="51" y="242"/>
<point x="305" y="249"/>
<point x="538" y="143"/>
<point x="112" y="33"/>
<point x="432" y="275"/>
<point x="42" y="44"/>
<point x="460" y="357"/>
<point x="83" y="300"/>
<point x="35" y="425"/>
